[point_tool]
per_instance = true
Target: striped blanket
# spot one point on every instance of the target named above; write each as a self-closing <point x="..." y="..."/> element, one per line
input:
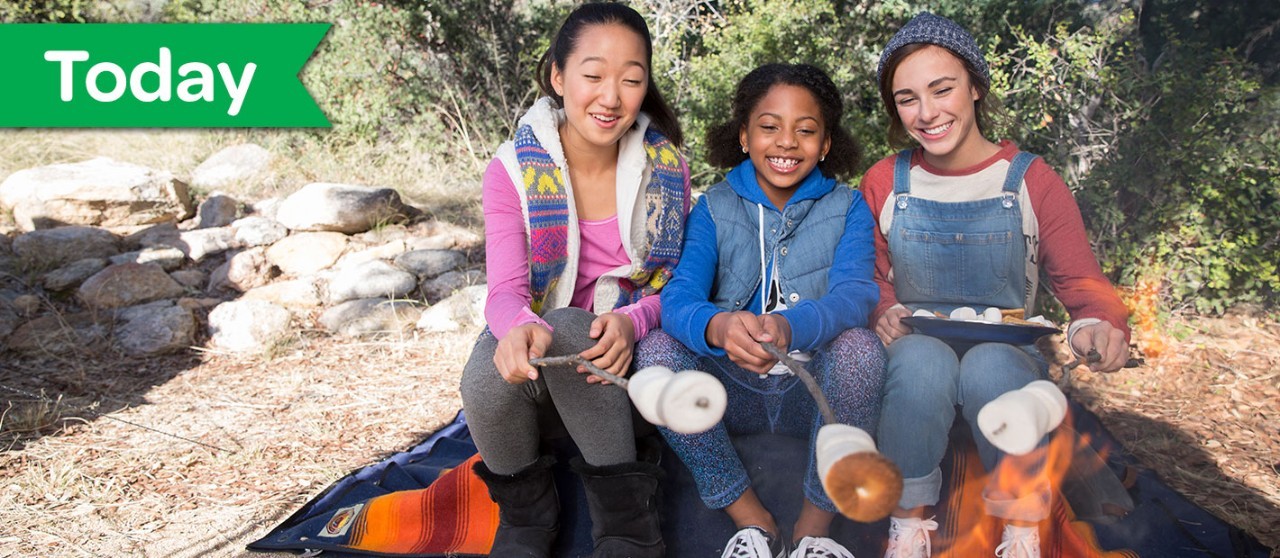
<point x="427" y="502"/>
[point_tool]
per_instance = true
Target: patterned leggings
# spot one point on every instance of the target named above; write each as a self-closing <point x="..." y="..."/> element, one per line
<point x="850" y="371"/>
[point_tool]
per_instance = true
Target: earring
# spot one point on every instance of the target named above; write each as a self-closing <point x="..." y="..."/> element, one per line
<point x="744" y="149"/>
<point x="822" y="158"/>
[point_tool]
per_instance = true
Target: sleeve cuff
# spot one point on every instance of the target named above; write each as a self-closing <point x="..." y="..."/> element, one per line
<point x="1075" y="327"/>
<point x="527" y="316"/>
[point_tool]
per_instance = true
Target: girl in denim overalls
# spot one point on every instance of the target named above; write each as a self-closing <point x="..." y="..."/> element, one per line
<point x="964" y="221"/>
<point x="760" y="266"/>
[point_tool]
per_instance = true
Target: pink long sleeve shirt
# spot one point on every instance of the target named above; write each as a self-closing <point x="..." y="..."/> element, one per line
<point x="507" y="261"/>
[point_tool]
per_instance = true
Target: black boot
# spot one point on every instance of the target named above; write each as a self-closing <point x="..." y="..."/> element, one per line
<point x="624" y="500"/>
<point x="528" y="509"/>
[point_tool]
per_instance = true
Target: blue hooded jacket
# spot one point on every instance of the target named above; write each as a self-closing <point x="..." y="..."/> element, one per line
<point x="819" y="246"/>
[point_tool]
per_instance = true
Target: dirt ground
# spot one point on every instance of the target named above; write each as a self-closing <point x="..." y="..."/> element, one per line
<point x="196" y="455"/>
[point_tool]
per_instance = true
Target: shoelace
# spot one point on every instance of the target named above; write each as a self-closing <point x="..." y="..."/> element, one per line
<point x="1024" y="546"/>
<point x="909" y="535"/>
<point x="820" y="547"/>
<point x="748" y="543"/>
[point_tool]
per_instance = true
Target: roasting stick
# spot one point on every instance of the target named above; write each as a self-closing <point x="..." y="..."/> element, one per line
<point x="797" y="368"/>
<point x="863" y="484"/>
<point x="577" y="360"/>
<point x="687" y="402"/>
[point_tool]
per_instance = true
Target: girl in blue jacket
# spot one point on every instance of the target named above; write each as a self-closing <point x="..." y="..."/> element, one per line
<point x="760" y="265"/>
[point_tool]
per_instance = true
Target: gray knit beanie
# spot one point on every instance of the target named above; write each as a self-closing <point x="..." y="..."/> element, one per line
<point x="937" y="30"/>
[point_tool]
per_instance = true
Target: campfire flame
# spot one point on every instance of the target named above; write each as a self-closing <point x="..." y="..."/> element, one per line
<point x="970" y="531"/>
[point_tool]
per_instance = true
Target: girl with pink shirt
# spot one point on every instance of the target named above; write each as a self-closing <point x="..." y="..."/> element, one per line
<point x="584" y="219"/>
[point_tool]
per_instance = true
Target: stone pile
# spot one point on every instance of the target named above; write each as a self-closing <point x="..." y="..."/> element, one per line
<point x="108" y="254"/>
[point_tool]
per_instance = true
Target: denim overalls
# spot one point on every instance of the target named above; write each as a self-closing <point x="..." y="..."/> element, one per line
<point x="945" y="255"/>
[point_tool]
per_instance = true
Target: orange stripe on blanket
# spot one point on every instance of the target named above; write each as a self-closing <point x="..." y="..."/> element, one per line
<point x="453" y="515"/>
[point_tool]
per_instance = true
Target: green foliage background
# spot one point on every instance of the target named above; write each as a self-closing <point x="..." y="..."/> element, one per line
<point x="1162" y="115"/>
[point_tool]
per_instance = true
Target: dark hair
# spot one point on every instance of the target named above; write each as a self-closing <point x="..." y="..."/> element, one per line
<point x="724" y="149"/>
<point x="986" y="108"/>
<point x="661" y="116"/>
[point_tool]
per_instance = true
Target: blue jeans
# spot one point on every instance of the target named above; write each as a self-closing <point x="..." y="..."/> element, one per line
<point x="926" y="380"/>
<point x="849" y="371"/>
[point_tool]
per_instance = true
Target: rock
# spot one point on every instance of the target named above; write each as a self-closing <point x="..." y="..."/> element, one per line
<point x="230" y="165"/>
<point x="321" y="206"/>
<point x="247" y="325"/>
<point x="297" y="293"/>
<point x="60" y="334"/>
<point x="128" y="284"/>
<point x="464" y="309"/>
<point x="167" y="257"/>
<point x="244" y="270"/>
<point x="258" y="231"/>
<point x="27" y="305"/>
<point x="6" y="245"/>
<point x="267" y="208"/>
<point x="63" y="245"/>
<point x="384" y="252"/>
<point x="201" y="243"/>
<point x="194" y="304"/>
<point x="190" y="278"/>
<point x="218" y="210"/>
<point x="306" y="253"/>
<point x="370" y="316"/>
<point x="72" y="274"/>
<point x="439" y="288"/>
<point x="430" y="263"/>
<point x="99" y="192"/>
<point x="383" y="235"/>
<point x="439" y="235"/>
<point x="164" y="234"/>
<point x="373" y="279"/>
<point x="156" y="328"/>
<point x="9" y="321"/>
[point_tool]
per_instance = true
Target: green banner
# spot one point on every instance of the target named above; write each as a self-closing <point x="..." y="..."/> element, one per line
<point x="199" y="75"/>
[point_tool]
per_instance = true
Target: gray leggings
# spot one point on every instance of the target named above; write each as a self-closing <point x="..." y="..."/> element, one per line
<point x="503" y="417"/>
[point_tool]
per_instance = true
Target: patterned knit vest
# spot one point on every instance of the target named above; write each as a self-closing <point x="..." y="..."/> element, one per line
<point x="548" y="205"/>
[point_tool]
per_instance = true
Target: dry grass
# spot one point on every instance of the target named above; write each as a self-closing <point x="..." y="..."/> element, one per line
<point x="1205" y="415"/>
<point x="286" y="428"/>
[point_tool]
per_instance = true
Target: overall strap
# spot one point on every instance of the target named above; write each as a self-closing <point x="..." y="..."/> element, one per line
<point x="1013" y="180"/>
<point x="902" y="173"/>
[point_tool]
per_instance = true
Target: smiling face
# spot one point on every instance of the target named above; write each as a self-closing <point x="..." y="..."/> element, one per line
<point x="785" y="136"/>
<point x="934" y="97"/>
<point x="603" y="84"/>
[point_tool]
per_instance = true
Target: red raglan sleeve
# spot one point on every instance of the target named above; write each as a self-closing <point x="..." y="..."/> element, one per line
<point x="1065" y="255"/>
<point x="877" y="189"/>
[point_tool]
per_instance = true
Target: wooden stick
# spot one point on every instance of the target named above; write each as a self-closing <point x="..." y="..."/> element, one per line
<point x="579" y="361"/>
<point x="797" y="368"/>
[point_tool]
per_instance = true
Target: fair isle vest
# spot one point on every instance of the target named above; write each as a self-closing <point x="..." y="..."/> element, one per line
<point x="548" y="207"/>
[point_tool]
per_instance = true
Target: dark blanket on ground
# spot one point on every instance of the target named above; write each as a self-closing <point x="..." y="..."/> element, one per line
<point x="422" y="503"/>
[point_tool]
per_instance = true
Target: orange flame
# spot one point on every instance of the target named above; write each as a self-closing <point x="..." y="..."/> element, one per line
<point x="1143" y="300"/>
<point x="975" y="533"/>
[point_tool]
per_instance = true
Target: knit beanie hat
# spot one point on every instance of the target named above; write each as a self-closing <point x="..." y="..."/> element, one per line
<point x="937" y="30"/>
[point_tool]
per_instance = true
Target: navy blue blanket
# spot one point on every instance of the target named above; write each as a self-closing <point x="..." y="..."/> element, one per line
<point x="1161" y="524"/>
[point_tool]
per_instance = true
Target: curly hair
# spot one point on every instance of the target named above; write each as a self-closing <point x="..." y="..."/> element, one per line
<point x="723" y="148"/>
<point x="661" y="115"/>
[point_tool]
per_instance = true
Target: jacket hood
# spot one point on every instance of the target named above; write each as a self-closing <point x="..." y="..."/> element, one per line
<point x="744" y="182"/>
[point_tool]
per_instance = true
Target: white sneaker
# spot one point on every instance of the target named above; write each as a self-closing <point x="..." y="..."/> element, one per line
<point x="1019" y="542"/>
<point x="754" y="542"/>
<point x="820" y="547"/>
<point x="909" y="537"/>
